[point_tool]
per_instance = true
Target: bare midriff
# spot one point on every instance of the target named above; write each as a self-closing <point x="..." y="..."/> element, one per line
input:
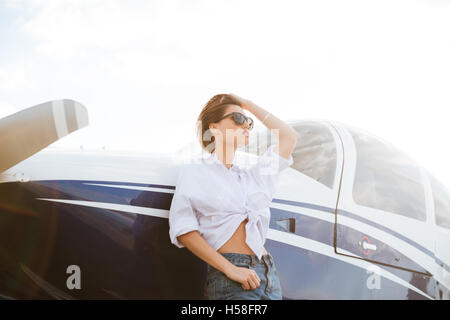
<point x="237" y="243"/>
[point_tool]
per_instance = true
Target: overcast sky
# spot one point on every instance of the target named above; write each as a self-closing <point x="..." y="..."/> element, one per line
<point x="144" y="69"/>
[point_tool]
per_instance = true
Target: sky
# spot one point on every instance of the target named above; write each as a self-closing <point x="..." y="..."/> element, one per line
<point x="145" y="69"/>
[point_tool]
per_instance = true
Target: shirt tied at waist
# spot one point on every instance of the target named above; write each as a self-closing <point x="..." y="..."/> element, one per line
<point x="255" y="231"/>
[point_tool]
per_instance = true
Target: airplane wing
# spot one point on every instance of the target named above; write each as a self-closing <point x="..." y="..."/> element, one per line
<point x="28" y="131"/>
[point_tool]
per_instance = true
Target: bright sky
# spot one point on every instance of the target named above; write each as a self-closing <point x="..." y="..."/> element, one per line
<point x="144" y="69"/>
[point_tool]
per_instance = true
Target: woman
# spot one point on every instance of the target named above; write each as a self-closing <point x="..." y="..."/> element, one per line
<point x="220" y="211"/>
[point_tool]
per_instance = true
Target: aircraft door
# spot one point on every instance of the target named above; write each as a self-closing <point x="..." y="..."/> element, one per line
<point x="382" y="212"/>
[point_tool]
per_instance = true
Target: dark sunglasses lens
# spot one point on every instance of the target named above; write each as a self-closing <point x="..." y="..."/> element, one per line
<point x="238" y="118"/>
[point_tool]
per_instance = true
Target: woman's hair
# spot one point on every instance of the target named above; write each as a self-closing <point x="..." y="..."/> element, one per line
<point x="213" y="110"/>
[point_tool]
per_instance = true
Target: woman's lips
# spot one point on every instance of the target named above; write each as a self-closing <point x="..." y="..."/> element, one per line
<point x="246" y="133"/>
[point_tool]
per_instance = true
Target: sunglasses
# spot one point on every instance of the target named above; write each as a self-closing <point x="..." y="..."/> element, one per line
<point x="239" y="119"/>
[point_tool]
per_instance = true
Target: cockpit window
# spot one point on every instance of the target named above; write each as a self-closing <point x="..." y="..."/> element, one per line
<point x="386" y="179"/>
<point x="314" y="154"/>
<point x="441" y="197"/>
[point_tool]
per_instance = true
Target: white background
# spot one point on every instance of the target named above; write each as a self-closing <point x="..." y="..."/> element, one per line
<point x="144" y="69"/>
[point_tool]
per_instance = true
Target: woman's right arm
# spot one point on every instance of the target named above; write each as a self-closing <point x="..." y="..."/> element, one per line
<point x="202" y="249"/>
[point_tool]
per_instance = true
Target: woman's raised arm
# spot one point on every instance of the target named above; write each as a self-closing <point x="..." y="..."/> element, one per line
<point x="287" y="136"/>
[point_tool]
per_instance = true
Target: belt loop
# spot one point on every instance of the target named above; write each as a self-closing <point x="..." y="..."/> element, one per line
<point x="268" y="260"/>
<point x="252" y="260"/>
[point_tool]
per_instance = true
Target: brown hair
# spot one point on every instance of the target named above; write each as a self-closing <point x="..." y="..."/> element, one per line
<point x="212" y="112"/>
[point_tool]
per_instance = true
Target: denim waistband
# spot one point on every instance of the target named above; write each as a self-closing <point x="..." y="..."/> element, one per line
<point x="247" y="258"/>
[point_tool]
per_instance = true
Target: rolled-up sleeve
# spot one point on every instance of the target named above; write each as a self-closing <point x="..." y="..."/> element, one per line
<point x="268" y="168"/>
<point x="182" y="218"/>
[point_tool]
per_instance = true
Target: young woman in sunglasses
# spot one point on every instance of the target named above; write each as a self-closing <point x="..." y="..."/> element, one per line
<point x="220" y="211"/>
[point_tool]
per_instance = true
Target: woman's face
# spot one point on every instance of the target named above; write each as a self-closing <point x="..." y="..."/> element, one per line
<point x="227" y="132"/>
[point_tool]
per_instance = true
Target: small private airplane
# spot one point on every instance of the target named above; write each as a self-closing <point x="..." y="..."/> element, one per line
<point x="352" y="218"/>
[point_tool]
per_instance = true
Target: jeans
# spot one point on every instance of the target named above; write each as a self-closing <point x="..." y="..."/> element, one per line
<point x="219" y="287"/>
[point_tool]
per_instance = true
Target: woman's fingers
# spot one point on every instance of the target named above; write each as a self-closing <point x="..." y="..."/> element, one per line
<point x="252" y="282"/>
<point x="257" y="277"/>
<point x="251" y="278"/>
<point x="258" y="281"/>
<point x="240" y="99"/>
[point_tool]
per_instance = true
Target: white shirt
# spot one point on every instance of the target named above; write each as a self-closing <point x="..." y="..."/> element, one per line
<point x="214" y="200"/>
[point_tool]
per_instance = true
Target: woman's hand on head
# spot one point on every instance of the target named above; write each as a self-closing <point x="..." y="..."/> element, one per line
<point x="244" y="103"/>
<point x="248" y="278"/>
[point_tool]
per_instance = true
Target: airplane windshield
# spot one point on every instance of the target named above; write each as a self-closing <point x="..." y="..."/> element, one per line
<point x="385" y="178"/>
